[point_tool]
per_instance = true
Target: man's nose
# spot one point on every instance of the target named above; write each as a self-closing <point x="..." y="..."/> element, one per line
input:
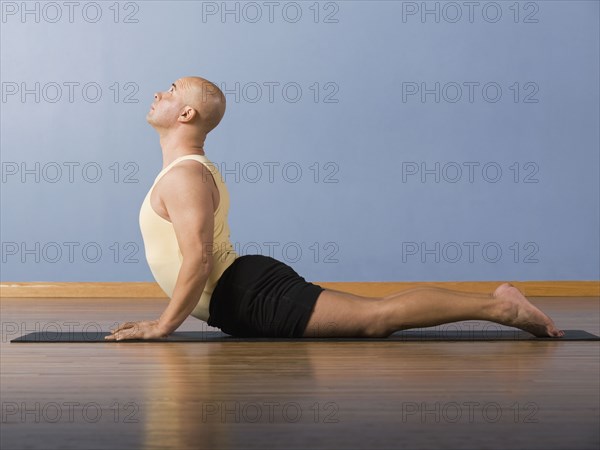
<point x="156" y="95"/>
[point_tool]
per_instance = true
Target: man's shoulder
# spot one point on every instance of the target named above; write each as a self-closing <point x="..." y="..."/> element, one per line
<point x="186" y="173"/>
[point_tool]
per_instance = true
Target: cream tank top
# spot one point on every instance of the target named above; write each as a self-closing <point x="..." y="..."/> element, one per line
<point x="162" y="249"/>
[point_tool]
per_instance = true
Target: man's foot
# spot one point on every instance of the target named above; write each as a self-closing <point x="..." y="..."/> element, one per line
<point x="518" y="312"/>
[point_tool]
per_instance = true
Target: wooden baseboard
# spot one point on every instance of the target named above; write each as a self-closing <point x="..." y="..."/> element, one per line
<point x="370" y="289"/>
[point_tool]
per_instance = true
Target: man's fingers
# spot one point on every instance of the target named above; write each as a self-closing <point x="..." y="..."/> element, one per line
<point x="112" y="337"/>
<point x="121" y="336"/>
<point x="123" y="326"/>
<point x="129" y="330"/>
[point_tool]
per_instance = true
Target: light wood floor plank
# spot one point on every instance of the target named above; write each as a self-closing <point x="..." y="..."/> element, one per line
<point x="298" y="395"/>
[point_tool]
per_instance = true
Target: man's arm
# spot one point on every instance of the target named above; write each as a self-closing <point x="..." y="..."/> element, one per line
<point x="187" y="196"/>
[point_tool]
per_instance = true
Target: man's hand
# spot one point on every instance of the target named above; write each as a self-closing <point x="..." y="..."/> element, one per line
<point x="147" y="329"/>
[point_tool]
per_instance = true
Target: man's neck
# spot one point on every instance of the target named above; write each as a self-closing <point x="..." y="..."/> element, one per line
<point x="176" y="148"/>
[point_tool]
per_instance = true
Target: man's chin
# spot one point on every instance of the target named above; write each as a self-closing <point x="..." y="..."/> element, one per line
<point x="152" y="121"/>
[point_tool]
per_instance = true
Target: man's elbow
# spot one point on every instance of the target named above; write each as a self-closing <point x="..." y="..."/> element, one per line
<point x="201" y="261"/>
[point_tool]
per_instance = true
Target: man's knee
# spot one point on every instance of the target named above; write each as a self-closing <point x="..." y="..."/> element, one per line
<point x="377" y="324"/>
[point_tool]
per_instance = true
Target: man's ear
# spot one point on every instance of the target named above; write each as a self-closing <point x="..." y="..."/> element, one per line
<point x="187" y="115"/>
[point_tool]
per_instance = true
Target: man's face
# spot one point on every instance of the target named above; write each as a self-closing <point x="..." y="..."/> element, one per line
<point x="166" y="107"/>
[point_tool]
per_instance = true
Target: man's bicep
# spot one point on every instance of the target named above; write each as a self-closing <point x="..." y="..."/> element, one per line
<point x="189" y="203"/>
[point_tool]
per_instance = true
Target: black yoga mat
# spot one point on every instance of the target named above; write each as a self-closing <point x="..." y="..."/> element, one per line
<point x="400" y="336"/>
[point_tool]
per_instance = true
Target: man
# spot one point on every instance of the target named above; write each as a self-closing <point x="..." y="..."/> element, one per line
<point x="186" y="237"/>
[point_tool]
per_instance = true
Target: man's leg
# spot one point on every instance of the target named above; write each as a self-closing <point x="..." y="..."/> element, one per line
<point x="341" y="314"/>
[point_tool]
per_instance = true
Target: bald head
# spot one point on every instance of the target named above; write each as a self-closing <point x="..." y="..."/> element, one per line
<point x="206" y="99"/>
<point x="192" y="106"/>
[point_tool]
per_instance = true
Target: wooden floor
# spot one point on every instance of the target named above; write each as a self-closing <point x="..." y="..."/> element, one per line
<point x="299" y="395"/>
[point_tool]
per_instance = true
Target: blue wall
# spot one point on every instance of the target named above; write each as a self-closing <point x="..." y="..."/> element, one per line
<point x="431" y="147"/>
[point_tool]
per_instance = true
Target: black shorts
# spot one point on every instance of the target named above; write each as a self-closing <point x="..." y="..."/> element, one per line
<point x="259" y="296"/>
